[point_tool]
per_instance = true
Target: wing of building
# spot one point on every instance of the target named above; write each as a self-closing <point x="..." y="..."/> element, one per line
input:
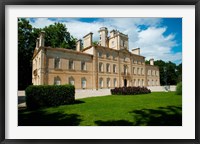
<point x="107" y="64"/>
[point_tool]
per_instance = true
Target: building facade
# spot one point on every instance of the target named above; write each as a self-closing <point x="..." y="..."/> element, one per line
<point x="107" y="64"/>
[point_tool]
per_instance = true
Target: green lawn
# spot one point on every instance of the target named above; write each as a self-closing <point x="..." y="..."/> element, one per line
<point x="155" y="109"/>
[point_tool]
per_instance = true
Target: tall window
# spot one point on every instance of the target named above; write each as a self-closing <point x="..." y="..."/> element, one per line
<point x="57" y="80"/>
<point x="101" y="83"/>
<point x="71" y="80"/>
<point x="125" y="70"/>
<point x="83" y="83"/>
<point x="57" y="63"/>
<point x="99" y="54"/>
<point x="107" y="67"/>
<point x="107" y="55"/>
<point x="138" y="71"/>
<point x="71" y="64"/>
<point x="115" y="82"/>
<point x="83" y="65"/>
<point x="100" y="67"/>
<point x="108" y="82"/>
<point x="114" y="69"/>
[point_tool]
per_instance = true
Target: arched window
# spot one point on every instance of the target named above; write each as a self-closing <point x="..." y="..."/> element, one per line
<point x="57" y="63"/>
<point x="108" y="82"/>
<point x="107" y="67"/>
<point x="101" y="83"/>
<point x="71" y="80"/>
<point x="57" y="80"/>
<point x="100" y="67"/>
<point x="83" y="83"/>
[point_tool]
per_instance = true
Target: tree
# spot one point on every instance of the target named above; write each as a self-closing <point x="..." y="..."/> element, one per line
<point x="26" y="44"/>
<point x="57" y="36"/>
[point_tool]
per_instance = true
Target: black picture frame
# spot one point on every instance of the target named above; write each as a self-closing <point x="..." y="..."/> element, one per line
<point x="4" y="3"/>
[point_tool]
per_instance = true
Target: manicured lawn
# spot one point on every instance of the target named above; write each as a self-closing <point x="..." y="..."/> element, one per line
<point x="155" y="109"/>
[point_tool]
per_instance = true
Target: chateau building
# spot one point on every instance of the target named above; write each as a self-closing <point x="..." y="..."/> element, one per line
<point x="107" y="64"/>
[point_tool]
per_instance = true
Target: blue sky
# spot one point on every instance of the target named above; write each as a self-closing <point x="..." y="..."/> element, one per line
<point x="158" y="38"/>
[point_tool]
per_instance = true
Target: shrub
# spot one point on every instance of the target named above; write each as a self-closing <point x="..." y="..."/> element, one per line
<point x="49" y="95"/>
<point x="130" y="90"/>
<point x="179" y="88"/>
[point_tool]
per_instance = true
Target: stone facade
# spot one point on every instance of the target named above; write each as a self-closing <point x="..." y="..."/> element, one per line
<point x="108" y="64"/>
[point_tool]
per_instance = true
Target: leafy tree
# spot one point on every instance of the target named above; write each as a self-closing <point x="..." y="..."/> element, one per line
<point x="26" y="44"/>
<point x="57" y="36"/>
<point x="95" y="43"/>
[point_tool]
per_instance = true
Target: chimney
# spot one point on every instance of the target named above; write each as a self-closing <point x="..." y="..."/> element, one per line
<point x="151" y="61"/>
<point x="78" y="45"/>
<point x="136" y="51"/>
<point x="87" y="40"/>
<point x="41" y="39"/>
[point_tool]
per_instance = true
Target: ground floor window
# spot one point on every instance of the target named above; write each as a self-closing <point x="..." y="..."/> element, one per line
<point x="101" y="83"/>
<point x="57" y="80"/>
<point x="83" y="83"/>
<point x="108" y="82"/>
<point x="71" y="80"/>
<point x="115" y="82"/>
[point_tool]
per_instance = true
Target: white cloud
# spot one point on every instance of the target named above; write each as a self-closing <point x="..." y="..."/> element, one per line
<point x="152" y="41"/>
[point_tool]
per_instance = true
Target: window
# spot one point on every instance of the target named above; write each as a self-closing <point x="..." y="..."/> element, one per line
<point x="157" y="73"/>
<point x="142" y="82"/>
<point x="83" y="65"/>
<point x="113" y="43"/>
<point x="115" y="82"/>
<point x="71" y="64"/>
<point x="101" y="83"/>
<point x="142" y="71"/>
<point x="107" y="55"/>
<point x="57" y="63"/>
<point x="108" y="82"/>
<point x="100" y="67"/>
<point x="83" y="83"/>
<point x="138" y="71"/>
<point x="107" y="67"/>
<point x="135" y="82"/>
<point x="57" y="81"/>
<point x="125" y="70"/>
<point x="149" y="72"/>
<point x="114" y="69"/>
<point x="71" y="80"/>
<point x="99" y="54"/>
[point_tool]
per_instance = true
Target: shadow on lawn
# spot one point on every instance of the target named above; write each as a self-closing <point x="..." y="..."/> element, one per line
<point x="40" y="118"/>
<point x="162" y="116"/>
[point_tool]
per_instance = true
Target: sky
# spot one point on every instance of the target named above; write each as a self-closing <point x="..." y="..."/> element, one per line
<point x="158" y="38"/>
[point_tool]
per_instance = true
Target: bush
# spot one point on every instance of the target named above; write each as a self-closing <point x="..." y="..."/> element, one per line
<point x="179" y="88"/>
<point x="49" y="95"/>
<point x="130" y="90"/>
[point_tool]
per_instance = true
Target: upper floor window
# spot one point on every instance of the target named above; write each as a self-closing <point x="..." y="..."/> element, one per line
<point x="99" y="54"/>
<point x="100" y="67"/>
<point x="114" y="68"/>
<point x="83" y="65"/>
<point x="57" y="63"/>
<point x="107" y="67"/>
<point x="107" y="55"/>
<point x="71" y="64"/>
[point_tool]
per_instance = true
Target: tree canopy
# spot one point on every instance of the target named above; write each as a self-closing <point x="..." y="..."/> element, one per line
<point x="56" y="36"/>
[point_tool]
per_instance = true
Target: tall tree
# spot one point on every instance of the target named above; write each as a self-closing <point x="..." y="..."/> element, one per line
<point x="26" y="45"/>
<point x="57" y="36"/>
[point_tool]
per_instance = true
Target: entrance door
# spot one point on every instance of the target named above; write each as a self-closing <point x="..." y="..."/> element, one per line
<point x="125" y="82"/>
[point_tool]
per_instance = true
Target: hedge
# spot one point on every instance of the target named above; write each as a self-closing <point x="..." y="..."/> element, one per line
<point x="130" y="90"/>
<point x="179" y="88"/>
<point x="49" y="95"/>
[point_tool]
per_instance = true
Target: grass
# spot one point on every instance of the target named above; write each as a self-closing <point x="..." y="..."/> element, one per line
<point x="154" y="109"/>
